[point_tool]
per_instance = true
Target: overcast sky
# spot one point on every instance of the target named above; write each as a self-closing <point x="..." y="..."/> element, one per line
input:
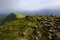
<point x="28" y="4"/>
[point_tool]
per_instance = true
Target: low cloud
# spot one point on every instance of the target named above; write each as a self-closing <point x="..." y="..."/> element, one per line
<point x="28" y="4"/>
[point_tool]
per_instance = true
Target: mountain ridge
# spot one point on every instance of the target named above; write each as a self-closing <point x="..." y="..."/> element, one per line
<point x="10" y="17"/>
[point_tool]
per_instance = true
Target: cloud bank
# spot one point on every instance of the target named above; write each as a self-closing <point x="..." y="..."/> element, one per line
<point x="28" y="4"/>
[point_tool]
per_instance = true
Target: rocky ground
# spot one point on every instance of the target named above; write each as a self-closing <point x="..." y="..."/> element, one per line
<point x="31" y="28"/>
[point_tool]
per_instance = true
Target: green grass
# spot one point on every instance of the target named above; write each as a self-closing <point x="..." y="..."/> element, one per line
<point x="22" y="28"/>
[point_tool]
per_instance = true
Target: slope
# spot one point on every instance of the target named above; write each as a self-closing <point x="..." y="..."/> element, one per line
<point x="11" y="16"/>
<point x="31" y="28"/>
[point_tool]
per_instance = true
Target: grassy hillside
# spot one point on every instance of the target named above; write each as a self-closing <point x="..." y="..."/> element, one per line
<point x="30" y="28"/>
<point x="10" y="17"/>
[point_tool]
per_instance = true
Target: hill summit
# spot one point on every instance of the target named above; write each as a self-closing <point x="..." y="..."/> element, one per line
<point x="11" y="16"/>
